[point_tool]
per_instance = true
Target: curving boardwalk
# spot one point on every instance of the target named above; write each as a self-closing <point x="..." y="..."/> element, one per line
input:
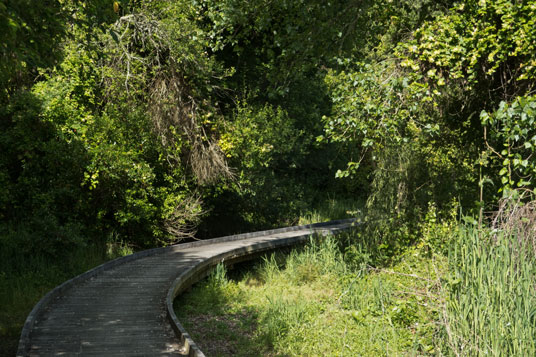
<point x="124" y="307"/>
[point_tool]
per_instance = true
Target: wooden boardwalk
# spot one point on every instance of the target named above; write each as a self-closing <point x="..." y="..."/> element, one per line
<point x="122" y="308"/>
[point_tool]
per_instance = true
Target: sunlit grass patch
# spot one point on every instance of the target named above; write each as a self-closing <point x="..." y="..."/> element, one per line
<point x="311" y="303"/>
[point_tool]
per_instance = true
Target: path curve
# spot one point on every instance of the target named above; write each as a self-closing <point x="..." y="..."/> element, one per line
<point x="125" y="307"/>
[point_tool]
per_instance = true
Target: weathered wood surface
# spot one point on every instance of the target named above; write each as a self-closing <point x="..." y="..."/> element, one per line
<point x="121" y="310"/>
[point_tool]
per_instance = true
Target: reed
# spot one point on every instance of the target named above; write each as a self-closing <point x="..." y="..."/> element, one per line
<point x="491" y="300"/>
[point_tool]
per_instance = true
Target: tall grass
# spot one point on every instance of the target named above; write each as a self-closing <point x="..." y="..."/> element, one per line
<point x="491" y="305"/>
<point x="322" y="256"/>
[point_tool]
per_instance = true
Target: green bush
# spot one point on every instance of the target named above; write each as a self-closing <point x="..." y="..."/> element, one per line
<point x="266" y="147"/>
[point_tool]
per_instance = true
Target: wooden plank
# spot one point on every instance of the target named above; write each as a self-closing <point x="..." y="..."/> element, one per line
<point x="121" y="308"/>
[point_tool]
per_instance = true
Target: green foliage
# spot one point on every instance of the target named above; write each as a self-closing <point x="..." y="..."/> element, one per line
<point x="117" y="128"/>
<point x="276" y="50"/>
<point x="265" y="145"/>
<point x="273" y="44"/>
<point x="513" y="136"/>
<point x="115" y="177"/>
<point x="33" y="34"/>
<point x="437" y="231"/>
<point x="478" y="43"/>
<point x="42" y="173"/>
<point x="479" y="57"/>
<point x="406" y="113"/>
<point x="29" y="32"/>
<point x="261" y="138"/>
<point x="398" y="142"/>
<point x="141" y="102"/>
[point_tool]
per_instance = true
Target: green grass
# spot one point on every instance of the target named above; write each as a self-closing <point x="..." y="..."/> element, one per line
<point x="331" y="209"/>
<point x="491" y="305"/>
<point x="325" y="299"/>
<point x="25" y="279"/>
<point x="315" y="302"/>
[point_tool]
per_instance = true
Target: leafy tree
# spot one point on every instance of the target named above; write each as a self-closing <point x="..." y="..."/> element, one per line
<point x="480" y="57"/>
<point x="421" y="108"/>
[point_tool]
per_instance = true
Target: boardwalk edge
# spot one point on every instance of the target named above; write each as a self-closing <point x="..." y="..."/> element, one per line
<point x="25" y="339"/>
<point x="203" y="268"/>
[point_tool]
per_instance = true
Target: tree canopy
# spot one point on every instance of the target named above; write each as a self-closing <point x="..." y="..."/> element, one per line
<point x="148" y="121"/>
